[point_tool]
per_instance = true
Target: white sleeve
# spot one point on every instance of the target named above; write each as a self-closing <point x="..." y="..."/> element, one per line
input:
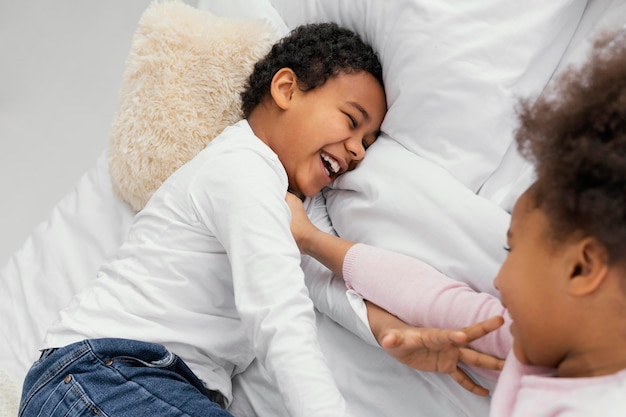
<point x="328" y="291"/>
<point x="247" y="209"/>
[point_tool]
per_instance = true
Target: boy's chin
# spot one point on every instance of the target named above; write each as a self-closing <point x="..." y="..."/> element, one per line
<point x="298" y="194"/>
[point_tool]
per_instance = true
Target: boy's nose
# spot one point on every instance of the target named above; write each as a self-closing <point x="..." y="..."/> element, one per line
<point x="355" y="148"/>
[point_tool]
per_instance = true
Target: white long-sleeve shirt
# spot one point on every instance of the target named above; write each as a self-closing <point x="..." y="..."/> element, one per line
<point x="422" y="296"/>
<point x="211" y="271"/>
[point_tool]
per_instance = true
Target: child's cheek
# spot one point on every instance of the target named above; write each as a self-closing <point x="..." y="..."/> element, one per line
<point x="518" y="346"/>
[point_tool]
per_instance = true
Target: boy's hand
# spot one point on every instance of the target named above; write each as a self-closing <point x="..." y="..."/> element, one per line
<point x="441" y="350"/>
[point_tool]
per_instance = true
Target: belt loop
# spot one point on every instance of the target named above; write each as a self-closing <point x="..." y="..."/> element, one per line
<point x="46" y="352"/>
<point x="218" y="398"/>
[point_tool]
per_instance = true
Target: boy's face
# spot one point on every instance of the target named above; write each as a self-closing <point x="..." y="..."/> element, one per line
<point x="531" y="287"/>
<point x="326" y="130"/>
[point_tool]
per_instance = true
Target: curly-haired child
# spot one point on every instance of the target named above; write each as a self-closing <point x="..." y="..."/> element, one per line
<point x="563" y="283"/>
<point x="209" y="277"/>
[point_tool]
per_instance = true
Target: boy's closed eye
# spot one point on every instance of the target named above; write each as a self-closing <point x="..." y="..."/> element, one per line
<point x="352" y="120"/>
<point x="369" y="141"/>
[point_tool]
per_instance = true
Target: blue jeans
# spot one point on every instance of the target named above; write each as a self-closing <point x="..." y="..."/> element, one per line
<point x="115" y="377"/>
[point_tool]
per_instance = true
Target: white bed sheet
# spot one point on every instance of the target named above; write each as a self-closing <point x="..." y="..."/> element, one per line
<point x="402" y="197"/>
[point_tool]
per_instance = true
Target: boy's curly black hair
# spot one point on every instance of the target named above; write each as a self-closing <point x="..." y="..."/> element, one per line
<point x="575" y="133"/>
<point x="314" y="52"/>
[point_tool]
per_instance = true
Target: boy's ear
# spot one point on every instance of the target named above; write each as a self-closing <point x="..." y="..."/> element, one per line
<point x="589" y="267"/>
<point x="283" y="85"/>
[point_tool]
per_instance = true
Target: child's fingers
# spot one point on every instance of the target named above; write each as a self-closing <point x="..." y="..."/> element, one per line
<point x="468" y="383"/>
<point x="478" y="330"/>
<point x="403" y="339"/>
<point x="390" y="340"/>
<point x="438" y="338"/>
<point x="423" y="338"/>
<point x="480" y="360"/>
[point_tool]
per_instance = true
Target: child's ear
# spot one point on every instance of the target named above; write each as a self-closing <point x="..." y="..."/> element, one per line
<point x="589" y="267"/>
<point x="283" y="85"/>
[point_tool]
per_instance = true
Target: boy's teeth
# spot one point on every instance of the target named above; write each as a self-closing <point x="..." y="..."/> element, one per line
<point x="334" y="165"/>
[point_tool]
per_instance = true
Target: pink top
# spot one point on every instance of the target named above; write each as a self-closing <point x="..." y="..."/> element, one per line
<point x="422" y="296"/>
<point x="530" y="391"/>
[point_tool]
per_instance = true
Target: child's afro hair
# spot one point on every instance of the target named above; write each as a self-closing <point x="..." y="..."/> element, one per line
<point x="575" y="133"/>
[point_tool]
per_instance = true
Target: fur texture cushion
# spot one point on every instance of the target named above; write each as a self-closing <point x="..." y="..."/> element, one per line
<point x="180" y="89"/>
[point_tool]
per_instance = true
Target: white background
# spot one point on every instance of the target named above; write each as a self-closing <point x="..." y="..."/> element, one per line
<point x="61" y="66"/>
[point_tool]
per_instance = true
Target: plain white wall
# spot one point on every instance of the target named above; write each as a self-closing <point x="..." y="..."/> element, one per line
<point x="61" y="65"/>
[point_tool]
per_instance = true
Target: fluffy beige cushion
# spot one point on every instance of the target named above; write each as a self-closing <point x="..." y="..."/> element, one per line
<point x="180" y="89"/>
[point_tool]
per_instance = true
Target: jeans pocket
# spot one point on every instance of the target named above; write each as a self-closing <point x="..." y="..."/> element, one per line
<point x="48" y="368"/>
<point x="66" y="399"/>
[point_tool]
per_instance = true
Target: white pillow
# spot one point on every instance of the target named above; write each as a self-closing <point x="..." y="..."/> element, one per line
<point x="417" y="208"/>
<point x="515" y="173"/>
<point x="454" y="68"/>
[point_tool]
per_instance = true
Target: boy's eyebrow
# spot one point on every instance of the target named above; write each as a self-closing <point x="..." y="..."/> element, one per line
<point x="360" y="108"/>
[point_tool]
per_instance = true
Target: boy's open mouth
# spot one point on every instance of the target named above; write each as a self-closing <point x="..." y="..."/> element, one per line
<point x="333" y="168"/>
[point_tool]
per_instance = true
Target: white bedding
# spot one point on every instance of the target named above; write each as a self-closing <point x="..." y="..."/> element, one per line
<point x="437" y="185"/>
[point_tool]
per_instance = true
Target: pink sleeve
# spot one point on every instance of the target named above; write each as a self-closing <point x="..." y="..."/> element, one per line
<point x="422" y="296"/>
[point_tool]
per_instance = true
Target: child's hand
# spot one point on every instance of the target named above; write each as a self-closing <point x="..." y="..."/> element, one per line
<point x="301" y="226"/>
<point x="441" y="350"/>
<point x="327" y="248"/>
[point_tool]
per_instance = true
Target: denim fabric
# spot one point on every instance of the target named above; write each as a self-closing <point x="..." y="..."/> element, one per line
<point x="115" y="378"/>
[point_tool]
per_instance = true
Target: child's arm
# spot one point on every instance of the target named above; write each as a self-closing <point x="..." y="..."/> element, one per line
<point x="422" y="296"/>
<point x="415" y="292"/>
